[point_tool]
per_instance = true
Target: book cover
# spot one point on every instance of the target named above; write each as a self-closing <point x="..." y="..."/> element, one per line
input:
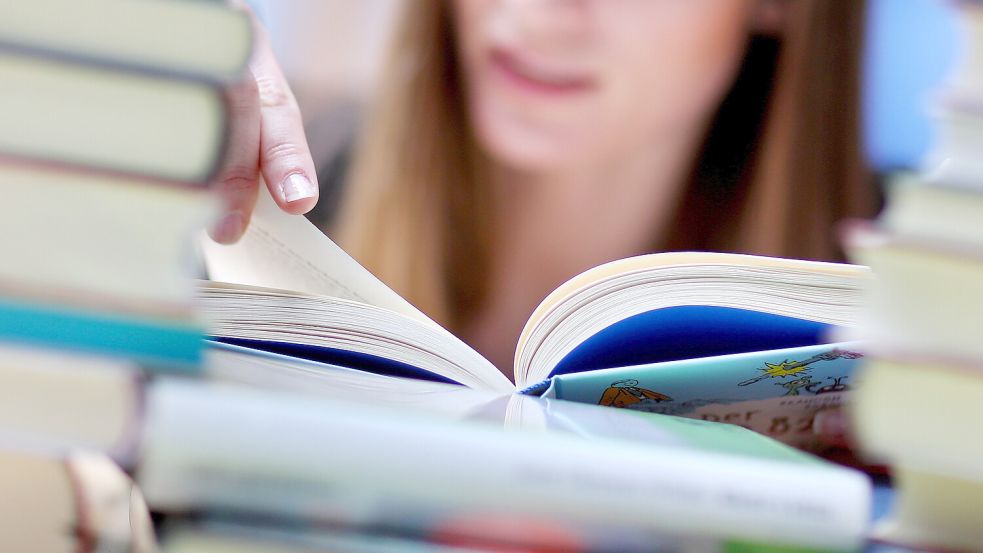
<point x="226" y="448"/>
<point x="775" y="392"/>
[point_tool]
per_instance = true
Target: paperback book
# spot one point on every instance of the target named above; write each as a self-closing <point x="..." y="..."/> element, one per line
<point x="734" y="338"/>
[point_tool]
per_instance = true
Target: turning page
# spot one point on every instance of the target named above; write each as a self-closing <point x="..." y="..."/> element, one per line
<point x="288" y="252"/>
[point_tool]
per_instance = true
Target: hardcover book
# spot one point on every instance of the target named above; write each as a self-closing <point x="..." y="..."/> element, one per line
<point x="199" y="39"/>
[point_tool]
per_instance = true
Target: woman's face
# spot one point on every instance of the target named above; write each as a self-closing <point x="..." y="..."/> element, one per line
<point x="554" y="83"/>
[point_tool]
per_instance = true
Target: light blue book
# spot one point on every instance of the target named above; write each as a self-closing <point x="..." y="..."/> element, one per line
<point x="607" y="479"/>
<point x="774" y="392"/>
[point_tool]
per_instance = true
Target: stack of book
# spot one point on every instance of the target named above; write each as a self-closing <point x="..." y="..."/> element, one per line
<point x="287" y="455"/>
<point x="919" y="402"/>
<point x="112" y="122"/>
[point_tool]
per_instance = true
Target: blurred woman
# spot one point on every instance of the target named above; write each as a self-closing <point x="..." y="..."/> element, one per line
<point x="516" y="143"/>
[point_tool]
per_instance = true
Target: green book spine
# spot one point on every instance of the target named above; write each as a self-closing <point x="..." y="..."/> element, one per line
<point x="757" y="547"/>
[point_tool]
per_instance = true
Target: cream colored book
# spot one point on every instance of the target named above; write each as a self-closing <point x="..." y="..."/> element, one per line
<point x="70" y="502"/>
<point x="926" y="299"/>
<point x="919" y="413"/>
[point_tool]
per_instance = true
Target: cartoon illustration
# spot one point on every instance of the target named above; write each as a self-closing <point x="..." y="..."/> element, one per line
<point x="793" y="386"/>
<point x="836" y="386"/>
<point x="626" y="392"/>
<point x="792" y="368"/>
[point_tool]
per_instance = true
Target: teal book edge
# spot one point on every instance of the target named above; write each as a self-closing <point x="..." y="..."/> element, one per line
<point x="158" y="345"/>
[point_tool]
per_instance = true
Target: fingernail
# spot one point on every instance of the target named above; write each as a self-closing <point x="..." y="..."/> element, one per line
<point x="298" y="187"/>
<point x="230" y="228"/>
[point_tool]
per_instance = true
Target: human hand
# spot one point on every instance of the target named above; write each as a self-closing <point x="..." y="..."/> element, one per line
<point x="266" y="139"/>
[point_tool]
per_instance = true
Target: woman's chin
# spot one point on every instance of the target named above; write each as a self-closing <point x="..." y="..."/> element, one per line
<point x="530" y="152"/>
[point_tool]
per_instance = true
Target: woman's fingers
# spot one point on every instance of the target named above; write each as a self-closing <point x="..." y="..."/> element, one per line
<point x="238" y="181"/>
<point x="266" y="138"/>
<point x="284" y="156"/>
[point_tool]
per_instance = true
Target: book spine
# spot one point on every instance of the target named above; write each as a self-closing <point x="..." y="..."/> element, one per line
<point x="539" y="389"/>
<point x="923" y="439"/>
<point x="50" y="96"/>
<point x="41" y="163"/>
<point x="44" y="392"/>
<point x="304" y="457"/>
<point x="158" y="345"/>
<point x="933" y="511"/>
<point x="121" y="60"/>
<point x="213" y="532"/>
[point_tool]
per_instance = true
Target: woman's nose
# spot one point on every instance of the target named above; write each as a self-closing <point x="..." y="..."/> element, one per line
<point x="542" y="23"/>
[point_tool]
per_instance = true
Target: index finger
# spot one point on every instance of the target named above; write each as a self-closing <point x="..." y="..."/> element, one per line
<point x="284" y="156"/>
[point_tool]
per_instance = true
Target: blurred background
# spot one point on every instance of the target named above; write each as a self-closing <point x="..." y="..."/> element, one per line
<point x="331" y="51"/>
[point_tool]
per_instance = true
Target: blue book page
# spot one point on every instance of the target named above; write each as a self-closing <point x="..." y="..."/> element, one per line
<point x="776" y="392"/>
<point x="688" y="332"/>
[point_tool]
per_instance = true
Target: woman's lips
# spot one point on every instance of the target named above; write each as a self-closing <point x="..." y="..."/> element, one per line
<point x="535" y="77"/>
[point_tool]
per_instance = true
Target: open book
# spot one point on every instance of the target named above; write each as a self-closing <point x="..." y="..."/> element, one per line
<point x="286" y="288"/>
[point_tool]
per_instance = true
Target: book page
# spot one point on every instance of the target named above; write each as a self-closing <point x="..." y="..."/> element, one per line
<point x="643" y="263"/>
<point x="269" y="371"/>
<point x="288" y="252"/>
<point x="823" y="293"/>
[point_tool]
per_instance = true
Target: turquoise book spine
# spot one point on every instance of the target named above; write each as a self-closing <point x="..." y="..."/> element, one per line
<point x="775" y="392"/>
<point x="158" y="345"/>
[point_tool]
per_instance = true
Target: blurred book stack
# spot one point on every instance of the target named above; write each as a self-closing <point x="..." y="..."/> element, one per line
<point x="465" y="467"/>
<point x="66" y="502"/>
<point x="112" y="122"/>
<point x="112" y="119"/>
<point x="919" y="403"/>
<point x="275" y="453"/>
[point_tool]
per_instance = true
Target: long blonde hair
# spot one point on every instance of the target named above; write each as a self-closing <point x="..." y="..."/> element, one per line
<point x="416" y="205"/>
